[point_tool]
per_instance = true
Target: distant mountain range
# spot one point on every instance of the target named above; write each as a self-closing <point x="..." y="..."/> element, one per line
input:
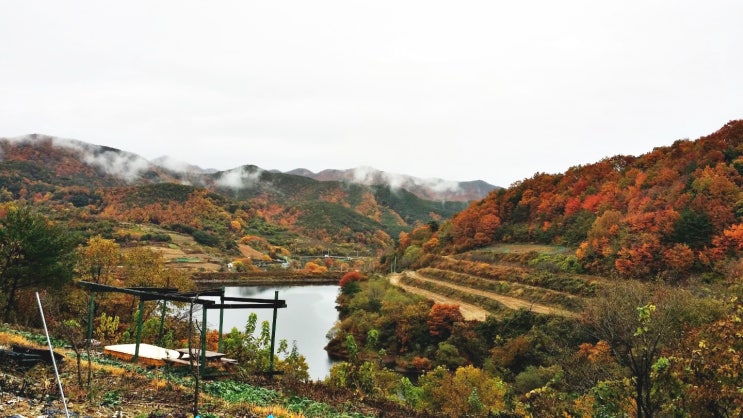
<point x="335" y="206"/>
<point x="130" y="166"/>
<point x="434" y="189"/>
<point x="429" y="189"/>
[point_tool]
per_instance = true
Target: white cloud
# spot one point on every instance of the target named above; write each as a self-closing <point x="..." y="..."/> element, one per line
<point x="370" y="175"/>
<point x="114" y="162"/>
<point x="122" y="164"/>
<point x="238" y="178"/>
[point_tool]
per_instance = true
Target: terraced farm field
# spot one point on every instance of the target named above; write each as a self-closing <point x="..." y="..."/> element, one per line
<point x="492" y="281"/>
<point x="469" y="311"/>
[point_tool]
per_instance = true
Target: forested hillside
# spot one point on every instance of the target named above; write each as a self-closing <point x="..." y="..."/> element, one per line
<point x="669" y="213"/>
<point x="96" y="187"/>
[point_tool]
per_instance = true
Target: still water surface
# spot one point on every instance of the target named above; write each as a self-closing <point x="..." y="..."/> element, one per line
<point x="309" y="315"/>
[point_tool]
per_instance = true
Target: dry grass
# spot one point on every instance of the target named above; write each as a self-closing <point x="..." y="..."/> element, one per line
<point x="278" y="411"/>
<point x="108" y="369"/>
<point x="8" y="339"/>
<point x="248" y="251"/>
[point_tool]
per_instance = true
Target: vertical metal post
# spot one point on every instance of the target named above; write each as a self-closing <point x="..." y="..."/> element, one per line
<point x="162" y="322"/>
<point x="54" y="359"/>
<point x="221" y="319"/>
<point x="91" y="313"/>
<point x="139" y="329"/>
<point x="273" y="331"/>
<point x="202" y="356"/>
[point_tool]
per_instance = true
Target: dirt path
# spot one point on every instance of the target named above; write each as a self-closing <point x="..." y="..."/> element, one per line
<point x="469" y="312"/>
<point x="507" y="301"/>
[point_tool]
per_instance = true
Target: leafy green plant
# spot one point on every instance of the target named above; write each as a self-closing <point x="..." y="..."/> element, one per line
<point x="36" y="338"/>
<point x="234" y="392"/>
<point x="111" y="398"/>
<point x="567" y="263"/>
<point x="108" y="328"/>
<point x="310" y="408"/>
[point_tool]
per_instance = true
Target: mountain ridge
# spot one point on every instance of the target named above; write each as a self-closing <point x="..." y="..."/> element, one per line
<point x="425" y="188"/>
<point x="129" y="165"/>
<point x="220" y="207"/>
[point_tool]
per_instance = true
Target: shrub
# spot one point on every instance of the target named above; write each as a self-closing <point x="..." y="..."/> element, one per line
<point x="205" y="238"/>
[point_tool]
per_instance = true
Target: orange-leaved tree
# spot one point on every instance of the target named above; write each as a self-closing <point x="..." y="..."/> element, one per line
<point x="311" y="267"/>
<point x="442" y="317"/>
<point x="351" y="276"/>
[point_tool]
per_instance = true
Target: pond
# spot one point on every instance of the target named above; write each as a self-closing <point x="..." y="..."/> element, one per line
<point x="309" y="315"/>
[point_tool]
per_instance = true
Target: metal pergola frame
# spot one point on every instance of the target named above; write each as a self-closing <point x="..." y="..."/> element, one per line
<point x="171" y="294"/>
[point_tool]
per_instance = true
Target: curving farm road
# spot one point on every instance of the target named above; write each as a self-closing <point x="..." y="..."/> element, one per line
<point x="470" y="311"/>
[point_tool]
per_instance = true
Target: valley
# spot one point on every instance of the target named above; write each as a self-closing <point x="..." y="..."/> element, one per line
<point x="612" y="289"/>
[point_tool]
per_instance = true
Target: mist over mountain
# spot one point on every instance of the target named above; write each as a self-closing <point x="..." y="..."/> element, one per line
<point x="425" y="188"/>
<point x="120" y="165"/>
<point x="122" y="186"/>
<point x="171" y="163"/>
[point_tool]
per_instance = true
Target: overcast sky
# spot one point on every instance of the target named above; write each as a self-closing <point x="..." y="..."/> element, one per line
<point x="459" y="90"/>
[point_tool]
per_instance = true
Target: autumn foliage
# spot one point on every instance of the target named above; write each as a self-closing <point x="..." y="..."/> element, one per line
<point x="351" y="276"/>
<point x="710" y="365"/>
<point x="314" y="268"/>
<point x="667" y="213"/>
<point x="442" y="318"/>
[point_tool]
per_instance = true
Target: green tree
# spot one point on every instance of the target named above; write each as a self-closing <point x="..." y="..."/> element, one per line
<point x="252" y="350"/>
<point x="409" y="392"/>
<point x="693" y="228"/>
<point x="447" y="355"/>
<point x="411" y="255"/>
<point x="34" y="253"/>
<point x="638" y="323"/>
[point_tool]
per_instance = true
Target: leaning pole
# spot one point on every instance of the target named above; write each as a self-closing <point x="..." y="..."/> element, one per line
<point x="54" y="360"/>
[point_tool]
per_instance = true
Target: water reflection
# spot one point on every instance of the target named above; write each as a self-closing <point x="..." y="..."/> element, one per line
<point x="309" y="315"/>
